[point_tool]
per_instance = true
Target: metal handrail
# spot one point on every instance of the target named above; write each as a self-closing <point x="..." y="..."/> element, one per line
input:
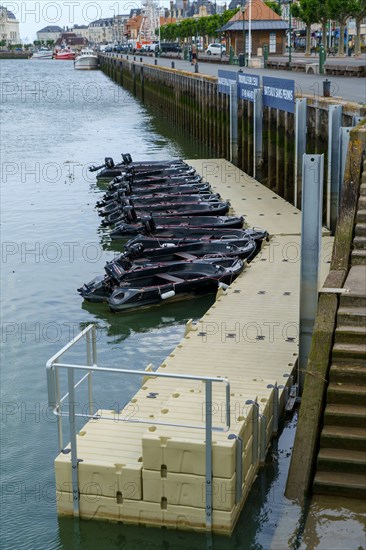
<point x="55" y="401"/>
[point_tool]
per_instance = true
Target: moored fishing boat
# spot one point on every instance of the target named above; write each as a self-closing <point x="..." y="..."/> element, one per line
<point x="65" y="55"/>
<point x="43" y="53"/>
<point x="87" y="60"/>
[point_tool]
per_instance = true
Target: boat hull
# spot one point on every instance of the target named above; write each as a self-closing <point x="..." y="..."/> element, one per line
<point x="86" y="63"/>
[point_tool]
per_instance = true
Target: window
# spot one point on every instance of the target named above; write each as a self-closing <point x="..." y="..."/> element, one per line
<point x="272" y="42"/>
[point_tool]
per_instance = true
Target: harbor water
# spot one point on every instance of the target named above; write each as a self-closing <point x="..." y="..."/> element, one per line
<point x="56" y="122"/>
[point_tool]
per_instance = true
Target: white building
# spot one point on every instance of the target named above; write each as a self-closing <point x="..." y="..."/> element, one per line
<point x="51" y="32"/>
<point x="81" y="30"/>
<point x="101" y="31"/>
<point x="9" y="27"/>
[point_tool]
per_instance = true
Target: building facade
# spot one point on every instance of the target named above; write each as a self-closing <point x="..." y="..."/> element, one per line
<point x="9" y="27"/>
<point x="267" y="28"/>
<point x="51" y="32"/>
<point x="101" y="31"/>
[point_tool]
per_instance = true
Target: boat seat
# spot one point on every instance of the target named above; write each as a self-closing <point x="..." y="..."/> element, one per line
<point x="170" y="278"/>
<point x="185" y="256"/>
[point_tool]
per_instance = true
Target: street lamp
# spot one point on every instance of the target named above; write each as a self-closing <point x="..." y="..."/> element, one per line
<point x="290" y="36"/>
<point x="243" y="11"/>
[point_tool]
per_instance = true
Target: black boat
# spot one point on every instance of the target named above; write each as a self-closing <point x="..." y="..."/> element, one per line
<point x="146" y="224"/>
<point x="186" y="233"/>
<point x="137" y="255"/>
<point x="178" y="281"/>
<point x="128" y="191"/>
<point x="216" y="208"/>
<point x="152" y="172"/>
<point x="155" y="225"/>
<point x="227" y="236"/>
<point x="117" y="182"/>
<point x="155" y="201"/>
<point x="126" y="273"/>
<point x="109" y="169"/>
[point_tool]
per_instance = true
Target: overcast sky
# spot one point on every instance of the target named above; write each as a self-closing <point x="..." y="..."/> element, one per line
<point x="34" y="15"/>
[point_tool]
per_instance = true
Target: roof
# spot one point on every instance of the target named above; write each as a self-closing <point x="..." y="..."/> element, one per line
<point x="9" y="14"/>
<point x="256" y="26"/>
<point x="51" y="28"/>
<point x="259" y="12"/>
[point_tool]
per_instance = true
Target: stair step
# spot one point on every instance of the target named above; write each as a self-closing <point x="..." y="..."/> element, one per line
<point x="363" y="184"/>
<point x="351" y="316"/>
<point x="339" y="483"/>
<point x="348" y="374"/>
<point x="351" y="394"/>
<point x="343" y="437"/>
<point x="358" y="257"/>
<point x="341" y="460"/>
<point x="360" y="229"/>
<point x="361" y="203"/>
<point x="350" y="335"/>
<point x="359" y="243"/>
<point x="345" y="415"/>
<point x="353" y="300"/>
<point x="361" y="215"/>
<point x="349" y="353"/>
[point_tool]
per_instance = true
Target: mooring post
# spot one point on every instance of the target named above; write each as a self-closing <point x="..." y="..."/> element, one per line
<point x="300" y="144"/>
<point x="258" y="130"/>
<point x="233" y="124"/>
<point x="311" y="234"/>
<point x="333" y="172"/>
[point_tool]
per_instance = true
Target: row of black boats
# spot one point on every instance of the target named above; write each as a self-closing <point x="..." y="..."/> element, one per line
<point x="183" y="244"/>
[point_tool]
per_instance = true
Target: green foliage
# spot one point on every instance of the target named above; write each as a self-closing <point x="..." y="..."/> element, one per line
<point x="275" y="6"/>
<point x="307" y="11"/>
<point x="192" y="26"/>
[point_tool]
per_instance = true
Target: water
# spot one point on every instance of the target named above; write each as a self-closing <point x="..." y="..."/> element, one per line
<point x="55" y="122"/>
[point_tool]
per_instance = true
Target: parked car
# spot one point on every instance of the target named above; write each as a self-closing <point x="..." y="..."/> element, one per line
<point x="170" y="47"/>
<point x="216" y="49"/>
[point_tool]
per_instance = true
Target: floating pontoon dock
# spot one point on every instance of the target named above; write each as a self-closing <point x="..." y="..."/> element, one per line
<point x="157" y="470"/>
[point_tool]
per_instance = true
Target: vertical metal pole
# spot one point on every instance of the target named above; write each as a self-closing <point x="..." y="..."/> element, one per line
<point x="311" y="232"/>
<point x="239" y="469"/>
<point x="343" y="149"/>
<point x="233" y="124"/>
<point x="228" y="405"/>
<point x="334" y="125"/>
<point x="208" y="455"/>
<point x="74" y="457"/>
<point x="262" y="455"/>
<point x="258" y="129"/>
<point x="90" y="373"/>
<point x="300" y="144"/>
<point x="59" y="406"/>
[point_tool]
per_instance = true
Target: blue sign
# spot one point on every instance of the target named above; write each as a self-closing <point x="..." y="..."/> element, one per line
<point x="279" y="93"/>
<point x="247" y="84"/>
<point x="225" y="80"/>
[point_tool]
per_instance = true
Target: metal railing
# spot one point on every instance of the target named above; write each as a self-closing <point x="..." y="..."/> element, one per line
<point x="55" y="400"/>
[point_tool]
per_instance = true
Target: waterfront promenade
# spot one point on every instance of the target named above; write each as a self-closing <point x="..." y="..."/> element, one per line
<point x="345" y="87"/>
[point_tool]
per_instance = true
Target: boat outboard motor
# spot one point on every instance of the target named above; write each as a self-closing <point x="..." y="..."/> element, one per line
<point x="109" y="162"/>
<point x="135" y="250"/>
<point x="125" y="201"/>
<point x="127" y="159"/>
<point x="130" y="213"/>
<point x="148" y="224"/>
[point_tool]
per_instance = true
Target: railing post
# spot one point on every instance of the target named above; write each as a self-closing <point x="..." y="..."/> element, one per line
<point x="263" y="447"/>
<point x="255" y="429"/>
<point x="300" y="144"/>
<point x="233" y="124"/>
<point x="311" y="233"/>
<point x="89" y="362"/>
<point x="239" y="467"/>
<point x="275" y="407"/>
<point x="74" y="458"/>
<point x="208" y="455"/>
<point x="258" y="130"/>
<point x="334" y="125"/>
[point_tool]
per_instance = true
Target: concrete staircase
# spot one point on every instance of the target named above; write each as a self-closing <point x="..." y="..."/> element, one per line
<point x="341" y="463"/>
<point x="359" y="242"/>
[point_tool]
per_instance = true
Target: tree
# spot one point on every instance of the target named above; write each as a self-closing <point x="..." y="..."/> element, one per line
<point x="341" y="11"/>
<point x="358" y="11"/>
<point x="275" y="6"/>
<point x="308" y="12"/>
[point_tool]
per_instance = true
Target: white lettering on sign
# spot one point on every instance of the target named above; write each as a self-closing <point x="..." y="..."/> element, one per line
<point x="249" y="80"/>
<point x="280" y="93"/>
